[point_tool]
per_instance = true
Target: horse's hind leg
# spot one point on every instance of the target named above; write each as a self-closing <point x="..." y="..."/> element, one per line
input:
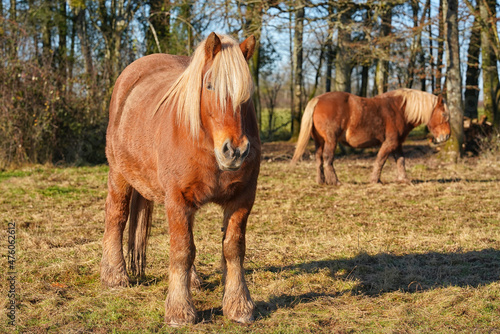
<point x="329" y="155"/>
<point x="400" y="162"/>
<point x="113" y="268"/>
<point x="236" y="303"/>
<point x="320" y="174"/>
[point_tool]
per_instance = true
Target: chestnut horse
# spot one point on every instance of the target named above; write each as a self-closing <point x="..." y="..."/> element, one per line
<point x="359" y="122"/>
<point x="183" y="132"/>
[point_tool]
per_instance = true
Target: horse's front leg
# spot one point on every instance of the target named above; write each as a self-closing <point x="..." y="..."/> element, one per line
<point x="179" y="308"/>
<point x="386" y="148"/>
<point x="113" y="267"/>
<point x="236" y="303"/>
<point x="400" y="162"/>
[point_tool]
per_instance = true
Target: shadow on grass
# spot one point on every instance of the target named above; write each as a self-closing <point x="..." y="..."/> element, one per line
<point x="451" y="180"/>
<point x="374" y="275"/>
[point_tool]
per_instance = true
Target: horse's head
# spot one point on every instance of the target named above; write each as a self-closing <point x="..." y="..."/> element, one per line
<point x="225" y="99"/>
<point x="439" y="123"/>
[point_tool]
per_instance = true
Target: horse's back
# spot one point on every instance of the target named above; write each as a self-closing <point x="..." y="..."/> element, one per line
<point x="145" y="81"/>
<point x="356" y="121"/>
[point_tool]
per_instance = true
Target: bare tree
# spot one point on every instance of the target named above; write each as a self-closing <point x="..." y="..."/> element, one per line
<point x="453" y="147"/>
<point x="382" y="69"/>
<point x="473" y="70"/>
<point x="343" y="65"/>
<point x="489" y="59"/>
<point x="114" y="18"/>
<point x="297" y="66"/>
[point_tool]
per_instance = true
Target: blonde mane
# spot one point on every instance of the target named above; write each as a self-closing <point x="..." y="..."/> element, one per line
<point x="419" y="104"/>
<point x="229" y="77"/>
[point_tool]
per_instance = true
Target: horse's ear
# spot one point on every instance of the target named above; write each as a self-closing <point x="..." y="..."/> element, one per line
<point x="212" y="46"/>
<point x="440" y="99"/>
<point x="248" y="47"/>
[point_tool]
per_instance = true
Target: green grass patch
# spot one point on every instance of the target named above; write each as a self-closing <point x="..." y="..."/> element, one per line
<point x="358" y="258"/>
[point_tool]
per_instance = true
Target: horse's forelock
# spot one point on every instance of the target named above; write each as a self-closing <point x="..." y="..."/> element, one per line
<point x="228" y="74"/>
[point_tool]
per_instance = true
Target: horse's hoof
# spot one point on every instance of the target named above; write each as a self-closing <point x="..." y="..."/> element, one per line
<point x="179" y="312"/>
<point x="176" y="323"/>
<point x="240" y="311"/>
<point x="333" y="183"/>
<point x="241" y="318"/>
<point x="115" y="281"/>
<point x="179" y="321"/>
<point x="113" y="278"/>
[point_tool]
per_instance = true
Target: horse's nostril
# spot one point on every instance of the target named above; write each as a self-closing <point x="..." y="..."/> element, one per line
<point x="226" y="149"/>
<point x="246" y="151"/>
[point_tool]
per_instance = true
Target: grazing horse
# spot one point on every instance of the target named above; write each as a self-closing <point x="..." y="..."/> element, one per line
<point x="359" y="122"/>
<point x="182" y="131"/>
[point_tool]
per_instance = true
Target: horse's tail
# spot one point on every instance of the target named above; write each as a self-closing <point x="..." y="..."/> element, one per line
<point x="305" y="130"/>
<point x="141" y="214"/>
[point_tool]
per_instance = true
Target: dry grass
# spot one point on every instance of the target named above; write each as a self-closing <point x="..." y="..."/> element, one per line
<point x="356" y="258"/>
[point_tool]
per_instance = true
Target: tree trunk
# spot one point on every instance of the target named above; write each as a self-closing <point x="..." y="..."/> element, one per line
<point x="158" y="32"/>
<point x="489" y="63"/>
<point x="382" y="69"/>
<point x="81" y="30"/>
<point x="253" y="26"/>
<point x="47" y="42"/>
<point x="62" y="27"/>
<point x="440" y="51"/>
<point x="186" y="13"/>
<point x="290" y="37"/>
<point x="453" y="147"/>
<point x="297" y="64"/>
<point x="363" y="91"/>
<point x="432" y="61"/>
<point x="343" y="65"/>
<point x="422" y="71"/>
<point x="115" y="17"/>
<point x="318" y="73"/>
<point x="414" y="48"/>
<point x="472" y="74"/>
<point x="329" y="47"/>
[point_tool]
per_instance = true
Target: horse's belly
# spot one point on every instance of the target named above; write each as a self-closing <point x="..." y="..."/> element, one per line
<point x="359" y="140"/>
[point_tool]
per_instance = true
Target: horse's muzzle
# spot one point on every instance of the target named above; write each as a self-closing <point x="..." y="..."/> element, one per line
<point x="441" y="139"/>
<point x="231" y="158"/>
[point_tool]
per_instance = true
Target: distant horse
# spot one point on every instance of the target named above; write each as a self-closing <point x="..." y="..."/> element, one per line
<point x="182" y="131"/>
<point x="359" y="122"/>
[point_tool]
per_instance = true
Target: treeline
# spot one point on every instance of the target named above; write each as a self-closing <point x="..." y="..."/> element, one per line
<point x="60" y="58"/>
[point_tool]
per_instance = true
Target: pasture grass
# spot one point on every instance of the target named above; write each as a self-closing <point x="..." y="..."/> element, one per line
<point x="391" y="258"/>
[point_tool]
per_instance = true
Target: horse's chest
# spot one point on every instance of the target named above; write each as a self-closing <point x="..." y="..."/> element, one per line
<point x="217" y="188"/>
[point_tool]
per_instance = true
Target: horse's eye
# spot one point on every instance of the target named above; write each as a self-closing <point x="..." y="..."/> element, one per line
<point x="209" y="86"/>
